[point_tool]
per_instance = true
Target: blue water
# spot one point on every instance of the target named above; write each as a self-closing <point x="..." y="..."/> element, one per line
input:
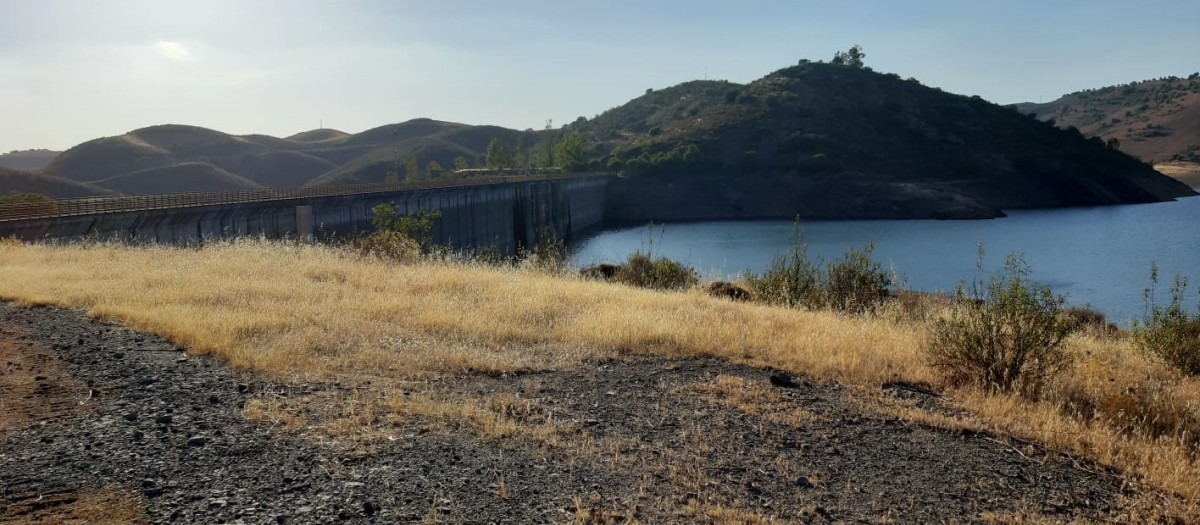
<point x="1097" y="256"/>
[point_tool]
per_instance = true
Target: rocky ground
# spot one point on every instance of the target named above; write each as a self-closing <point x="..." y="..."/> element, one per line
<point x="97" y="415"/>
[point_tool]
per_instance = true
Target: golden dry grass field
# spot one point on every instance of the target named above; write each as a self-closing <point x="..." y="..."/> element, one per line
<point x="314" y="313"/>
<point x="1186" y="172"/>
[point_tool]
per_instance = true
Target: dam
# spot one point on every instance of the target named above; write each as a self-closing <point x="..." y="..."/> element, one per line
<point x="508" y="213"/>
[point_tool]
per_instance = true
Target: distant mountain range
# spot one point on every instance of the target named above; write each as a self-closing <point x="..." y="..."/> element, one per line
<point x="27" y="160"/>
<point x="1154" y="120"/>
<point x="818" y="140"/>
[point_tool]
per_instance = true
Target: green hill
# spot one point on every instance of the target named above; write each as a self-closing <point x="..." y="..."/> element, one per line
<point x="831" y="141"/>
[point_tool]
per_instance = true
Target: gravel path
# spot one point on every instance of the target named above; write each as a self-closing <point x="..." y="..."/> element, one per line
<point x="666" y="441"/>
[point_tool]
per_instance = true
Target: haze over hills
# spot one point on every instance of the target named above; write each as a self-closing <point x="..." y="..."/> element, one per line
<point x="824" y="140"/>
<point x="14" y="181"/>
<point x="1154" y="120"/>
<point x="27" y="160"/>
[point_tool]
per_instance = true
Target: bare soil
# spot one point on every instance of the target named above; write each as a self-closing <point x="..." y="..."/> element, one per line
<point x="641" y="438"/>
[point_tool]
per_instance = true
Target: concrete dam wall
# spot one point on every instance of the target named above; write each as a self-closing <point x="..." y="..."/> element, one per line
<point x="507" y="215"/>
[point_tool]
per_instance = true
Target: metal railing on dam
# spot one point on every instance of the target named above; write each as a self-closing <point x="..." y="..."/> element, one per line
<point x="132" y="203"/>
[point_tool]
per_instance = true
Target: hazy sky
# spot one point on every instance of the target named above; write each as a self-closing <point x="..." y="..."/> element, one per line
<point x="71" y="71"/>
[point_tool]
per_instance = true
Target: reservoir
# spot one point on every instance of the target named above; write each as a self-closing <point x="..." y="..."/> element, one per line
<point x="1098" y="257"/>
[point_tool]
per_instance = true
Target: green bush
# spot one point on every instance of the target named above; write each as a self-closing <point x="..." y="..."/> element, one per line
<point x="402" y="238"/>
<point x="1170" y="332"/>
<point x="791" y="280"/>
<point x="853" y="283"/>
<point x="14" y="197"/>
<point x="1005" y="335"/>
<point x="418" y="226"/>
<point x="659" y="274"/>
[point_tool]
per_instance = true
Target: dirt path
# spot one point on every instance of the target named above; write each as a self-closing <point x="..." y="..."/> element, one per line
<point x="647" y="439"/>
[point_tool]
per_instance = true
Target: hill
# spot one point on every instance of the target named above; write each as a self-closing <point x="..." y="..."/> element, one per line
<point x="1154" y="120"/>
<point x="318" y="135"/>
<point x="27" y="160"/>
<point x="185" y="177"/>
<point x="819" y="140"/>
<point x="144" y="160"/>
<point x="14" y="181"/>
<point x="831" y="141"/>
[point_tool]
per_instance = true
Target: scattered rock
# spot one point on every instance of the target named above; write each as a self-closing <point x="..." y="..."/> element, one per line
<point x="196" y="441"/>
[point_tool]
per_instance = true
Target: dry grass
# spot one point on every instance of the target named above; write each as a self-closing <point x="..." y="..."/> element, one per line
<point x="310" y="313"/>
<point x="315" y="312"/>
<point x="97" y="506"/>
<point x="1186" y="172"/>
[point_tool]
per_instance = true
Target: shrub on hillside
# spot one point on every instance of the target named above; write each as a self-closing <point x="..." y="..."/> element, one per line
<point x="853" y="283"/>
<point x="1170" y="332"/>
<point x="1088" y="320"/>
<point x="417" y="226"/>
<point x="390" y="245"/>
<point x="655" y="273"/>
<point x="791" y="280"/>
<point x="1005" y="335"/>
<point x="727" y="290"/>
<point x="549" y="254"/>
<point x="402" y="238"/>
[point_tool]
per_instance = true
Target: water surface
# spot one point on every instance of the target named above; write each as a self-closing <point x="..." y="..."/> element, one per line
<point x="1098" y="256"/>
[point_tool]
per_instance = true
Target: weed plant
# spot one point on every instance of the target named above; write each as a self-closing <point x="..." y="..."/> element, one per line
<point x="1005" y="334"/>
<point x="1170" y="332"/>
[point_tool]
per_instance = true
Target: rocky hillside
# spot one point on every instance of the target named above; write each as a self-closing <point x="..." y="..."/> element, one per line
<point x="831" y="141"/>
<point x="27" y="160"/>
<point x="1155" y="120"/>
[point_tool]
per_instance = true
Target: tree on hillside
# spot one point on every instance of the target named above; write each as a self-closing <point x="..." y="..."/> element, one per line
<point x="497" y="154"/>
<point x="412" y="173"/>
<point x="434" y="169"/>
<point x="460" y="163"/>
<point x="569" y="151"/>
<point x="545" y="153"/>
<point x="852" y="58"/>
<point x="520" y="155"/>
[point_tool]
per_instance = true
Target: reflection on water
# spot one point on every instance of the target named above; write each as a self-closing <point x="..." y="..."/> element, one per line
<point x="1098" y="256"/>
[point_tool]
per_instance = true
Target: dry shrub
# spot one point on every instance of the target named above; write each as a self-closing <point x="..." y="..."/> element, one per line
<point x="600" y="272"/>
<point x="1006" y="338"/>
<point x="657" y="274"/>
<point x="549" y="254"/>
<point x="1083" y="319"/>
<point x="1152" y="407"/>
<point x="388" y="245"/>
<point x="728" y="290"/>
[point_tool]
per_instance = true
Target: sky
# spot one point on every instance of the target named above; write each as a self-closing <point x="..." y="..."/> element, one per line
<point x="75" y="70"/>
